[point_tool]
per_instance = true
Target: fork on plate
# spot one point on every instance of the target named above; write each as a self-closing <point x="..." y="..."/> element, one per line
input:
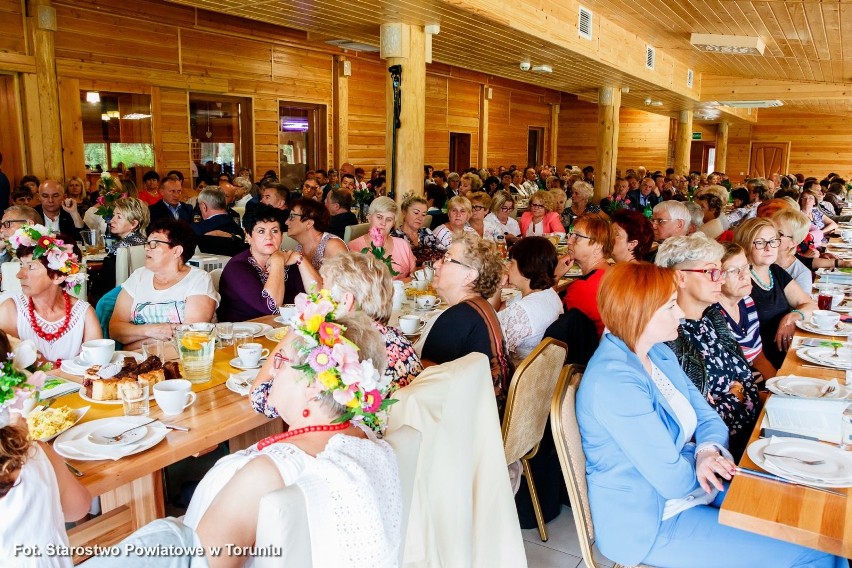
<point x="120" y="435"/>
<point x="800" y="460"/>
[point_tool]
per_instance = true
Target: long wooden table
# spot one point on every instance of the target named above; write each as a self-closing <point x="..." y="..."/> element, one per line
<point x="131" y="489"/>
<point x="787" y="512"/>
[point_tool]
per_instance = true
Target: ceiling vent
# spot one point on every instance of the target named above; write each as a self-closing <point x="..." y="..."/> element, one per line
<point x="584" y="23"/>
<point x="542" y="69"/>
<point x="728" y="44"/>
<point x="752" y="104"/>
<point x="650" y="57"/>
<point x="353" y="45"/>
<point x="690" y="78"/>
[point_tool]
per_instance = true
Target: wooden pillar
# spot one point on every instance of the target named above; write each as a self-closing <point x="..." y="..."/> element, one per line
<point x="609" y="104"/>
<point x="342" y="71"/>
<point x="484" y="100"/>
<point x="721" y="146"/>
<point x="405" y="45"/>
<point x="554" y="136"/>
<point x="43" y="18"/>
<point x="683" y="142"/>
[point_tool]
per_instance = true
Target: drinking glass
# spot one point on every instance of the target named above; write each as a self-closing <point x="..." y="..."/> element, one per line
<point x="196" y="345"/>
<point x="240" y="338"/>
<point x="153" y="348"/>
<point x="846" y="429"/>
<point x="135" y="398"/>
<point x="225" y="333"/>
<point x="824" y="301"/>
<point x="92" y="240"/>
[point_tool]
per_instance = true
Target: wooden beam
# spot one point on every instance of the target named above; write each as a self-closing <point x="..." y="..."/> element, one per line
<point x="484" y="100"/>
<point x="609" y="103"/>
<point x="17" y="62"/>
<point x="683" y="142"/>
<point x="721" y="146"/>
<point x="340" y="88"/>
<point x="719" y="88"/>
<point x="43" y="22"/>
<point x="552" y="157"/>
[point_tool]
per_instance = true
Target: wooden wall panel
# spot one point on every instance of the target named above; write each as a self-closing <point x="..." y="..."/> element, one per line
<point x="511" y="113"/>
<point x="463" y="115"/>
<point x="12" y="27"/>
<point x="71" y="121"/>
<point x="437" y="136"/>
<point x="578" y="127"/>
<point x="367" y="113"/>
<point x="11" y="145"/>
<point x="171" y="139"/>
<point x="819" y="144"/>
<point x="265" y="134"/>
<point x="643" y="140"/>
<point x="707" y="130"/>
<point x="739" y="137"/>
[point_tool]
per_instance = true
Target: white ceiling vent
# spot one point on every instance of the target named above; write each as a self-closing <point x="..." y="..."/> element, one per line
<point x="690" y="78"/>
<point x="753" y="104"/>
<point x="353" y="45"/>
<point x="650" y="57"/>
<point x="584" y="23"/>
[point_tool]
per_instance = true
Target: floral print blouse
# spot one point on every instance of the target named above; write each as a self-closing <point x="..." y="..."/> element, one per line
<point x="428" y="249"/>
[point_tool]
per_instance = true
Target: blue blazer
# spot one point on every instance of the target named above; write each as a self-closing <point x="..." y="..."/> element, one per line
<point x="636" y="454"/>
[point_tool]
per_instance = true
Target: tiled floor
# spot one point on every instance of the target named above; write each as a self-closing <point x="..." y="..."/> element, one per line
<point x="562" y="549"/>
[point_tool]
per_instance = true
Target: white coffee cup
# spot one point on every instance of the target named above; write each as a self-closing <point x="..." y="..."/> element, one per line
<point x="426" y="301"/>
<point x="825" y="319"/>
<point x="98" y="351"/>
<point x="287" y="311"/>
<point x="173" y="396"/>
<point x="421" y="275"/>
<point x="409" y="323"/>
<point x="430" y="272"/>
<point x="251" y="353"/>
<point x="24" y="354"/>
<point x="420" y="284"/>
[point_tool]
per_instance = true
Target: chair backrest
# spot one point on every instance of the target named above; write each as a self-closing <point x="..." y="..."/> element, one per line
<point x="128" y="259"/>
<point x="241" y="211"/>
<point x="215" y="276"/>
<point x="530" y="391"/>
<point x="569" y="448"/>
<point x="405" y="442"/>
<point x="578" y="331"/>
<point x="427" y="221"/>
<point x="9" y="271"/>
<point x="282" y="522"/>
<point x="352" y="232"/>
<point x="288" y="242"/>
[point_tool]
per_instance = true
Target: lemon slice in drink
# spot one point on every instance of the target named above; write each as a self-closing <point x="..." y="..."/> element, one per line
<point x="194" y="341"/>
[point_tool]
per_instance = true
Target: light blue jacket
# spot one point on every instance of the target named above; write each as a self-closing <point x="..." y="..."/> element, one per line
<point x="636" y="454"/>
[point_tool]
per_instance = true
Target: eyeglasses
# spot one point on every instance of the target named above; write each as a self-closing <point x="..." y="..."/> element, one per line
<point x="737" y="271"/>
<point x="293" y="215"/>
<point x="715" y="274"/>
<point x="152" y="244"/>
<point x="536" y="206"/>
<point x="578" y="235"/>
<point x="478" y="207"/>
<point x="506" y="209"/>
<point x="448" y="259"/>
<point x="8" y="224"/>
<point x="660" y="221"/>
<point x="762" y="244"/>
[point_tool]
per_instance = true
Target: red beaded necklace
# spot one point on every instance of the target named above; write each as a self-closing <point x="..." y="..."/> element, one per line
<point x="62" y="329"/>
<point x="298" y="431"/>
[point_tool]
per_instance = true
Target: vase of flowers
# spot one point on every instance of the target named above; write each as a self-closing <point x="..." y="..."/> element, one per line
<point x="363" y="198"/>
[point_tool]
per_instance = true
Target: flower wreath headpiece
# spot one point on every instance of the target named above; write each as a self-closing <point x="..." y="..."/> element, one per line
<point x="332" y="360"/>
<point x="60" y="256"/>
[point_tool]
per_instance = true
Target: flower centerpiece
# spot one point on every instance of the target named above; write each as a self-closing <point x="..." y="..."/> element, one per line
<point x="363" y="198"/>
<point x="110" y="190"/>
<point x="17" y="386"/>
<point x="332" y="360"/>
<point x="60" y="256"/>
<point x="377" y="249"/>
<point x="617" y="202"/>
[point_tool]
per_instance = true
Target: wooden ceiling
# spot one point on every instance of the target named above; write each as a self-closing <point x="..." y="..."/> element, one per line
<point x="804" y="41"/>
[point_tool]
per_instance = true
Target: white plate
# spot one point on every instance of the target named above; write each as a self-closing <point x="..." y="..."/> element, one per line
<point x="78" y="413"/>
<point x="99" y="437"/>
<point x="844" y="307"/>
<point x="237" y="380"/>
<point x="78" y="436"/>
<point x="253" y="328"/>
<point x="509" y="294"/>
<point x="77" y="366"/>
<point x="841" y="245"/>
<point x="281" y="320"/>
<point x="277" y="334"/>
<point x="82" y="393"/>
<point x="835" y="472"/>
<point x="845" y="288"/>
<point x="842" y="329"/>
<point x="823" y="356"/>
<point x="237" y="362"/>
<point x="804" y="387"/>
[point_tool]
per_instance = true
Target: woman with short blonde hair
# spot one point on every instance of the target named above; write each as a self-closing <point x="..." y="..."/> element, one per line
<point x="540" y="219"/>
<point x="470" y="183"/>
<point x="499" y="221"/>
<point x="793" y="227"/>
<point x="459" y="210"/>
<point x="581" y="195"/>
<point x="382" y="217"/>
<point x="422" y="241"/>
<point x="480" y="204"/>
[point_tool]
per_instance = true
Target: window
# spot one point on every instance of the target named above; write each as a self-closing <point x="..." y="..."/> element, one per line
<point x="117" y="130"/>
<point x="220" y="128"/>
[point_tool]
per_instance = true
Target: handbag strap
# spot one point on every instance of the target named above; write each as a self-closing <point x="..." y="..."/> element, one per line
<point x="495" y="333"/>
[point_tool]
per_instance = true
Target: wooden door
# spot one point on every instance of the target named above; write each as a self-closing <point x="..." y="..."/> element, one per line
<point x="10" y="133"/>
<point x="768" y="158"/>
<point x="459" y="151"/>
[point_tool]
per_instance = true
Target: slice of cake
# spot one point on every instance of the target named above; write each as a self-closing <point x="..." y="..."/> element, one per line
<point x="107" y="389"/>
<point x="153" y="377"/>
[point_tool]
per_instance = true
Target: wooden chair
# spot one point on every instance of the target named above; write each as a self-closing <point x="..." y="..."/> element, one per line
<point x="569" y="448"/>
<point x="128" y="259"/>
<point x="352" y="232"/>
<point x="526" y="411"/>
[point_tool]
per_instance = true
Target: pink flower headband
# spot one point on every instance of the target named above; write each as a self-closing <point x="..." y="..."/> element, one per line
<point x="60" y="256"/>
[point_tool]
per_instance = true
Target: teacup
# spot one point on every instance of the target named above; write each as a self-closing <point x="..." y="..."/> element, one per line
<point x="420" y="284"/>
<point x="173" y="396"/>
<point x="251" y="353"/>
<point x="427" y="301"/>
<point x="825" y="319"/>
<point x="409" y="324"/>
<point x="98" y="351"/>
<point x="24" y="354"/>
<point x="421" y="274"/>
<point x="287" y="311"/>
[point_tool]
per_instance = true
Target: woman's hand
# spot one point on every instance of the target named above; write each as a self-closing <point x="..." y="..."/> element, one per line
<point x="709" y="466"/>
<point x="563" y="265"/>
<point x="162" y="331"/>
<point x="290" y="257"/>
<point x="784" y="335"/>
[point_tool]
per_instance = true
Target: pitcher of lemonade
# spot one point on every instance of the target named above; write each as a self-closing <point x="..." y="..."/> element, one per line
<point x="196" y="344"/>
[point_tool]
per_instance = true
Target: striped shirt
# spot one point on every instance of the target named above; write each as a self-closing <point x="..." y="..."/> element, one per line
<point x="747" y="330"/>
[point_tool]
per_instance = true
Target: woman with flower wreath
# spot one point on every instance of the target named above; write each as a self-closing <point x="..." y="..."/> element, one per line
<point x="329" y="387"/>
<point x="382" y="218"/>
<point x="37" y="492"/>
<point x="45" y="311"/>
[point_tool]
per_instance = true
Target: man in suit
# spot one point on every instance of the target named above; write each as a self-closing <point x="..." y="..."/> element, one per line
<point x="339" y="204"/>
<point x="60" y="215"/>
<point x="170" y="204"/>
<point x="644" y="196"/>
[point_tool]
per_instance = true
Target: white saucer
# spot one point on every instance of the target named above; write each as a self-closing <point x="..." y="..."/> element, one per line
<point x="238" y="363"/>
<point x="236" y="381"/>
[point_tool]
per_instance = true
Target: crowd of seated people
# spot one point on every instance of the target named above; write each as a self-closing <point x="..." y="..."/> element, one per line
<point x="704" y="286"/>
